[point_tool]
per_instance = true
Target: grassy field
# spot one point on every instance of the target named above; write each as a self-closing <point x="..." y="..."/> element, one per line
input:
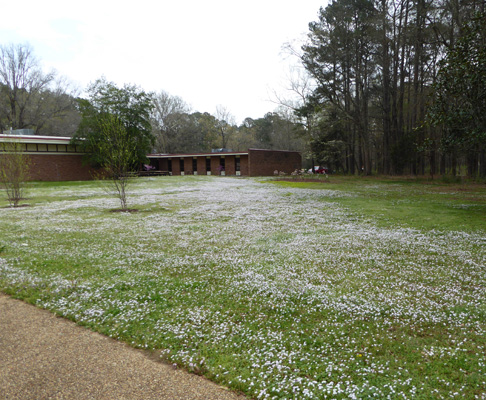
<point x="352" y="288"/>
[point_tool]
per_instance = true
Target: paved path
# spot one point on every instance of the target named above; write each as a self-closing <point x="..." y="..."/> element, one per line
<point x="46" y="357"/>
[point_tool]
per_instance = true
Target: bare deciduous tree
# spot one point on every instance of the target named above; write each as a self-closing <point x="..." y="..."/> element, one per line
<point x="164" y="120"/>
<point x="226" y="124"/>
<point x="14" y="171"/>
<point x="30" y="98"/>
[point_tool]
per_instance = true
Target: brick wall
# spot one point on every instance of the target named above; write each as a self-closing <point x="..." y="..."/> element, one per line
<point x="265" y="162"/>
<point x="244" y="171"/>
<point x="57" y="167"/>
<point x="229" y="165"/>
<point x="188" y="166"/>
<point x="176" y="170"/>
<point x="69" y="167"/>
<point x="256" y="163"/>
<point x="215" y="165"/>
<point x="201" y="165"/>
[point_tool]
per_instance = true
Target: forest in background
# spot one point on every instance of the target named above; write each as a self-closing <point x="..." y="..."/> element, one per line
<point x="399" y="86"/>
<point x="381" y="87"/>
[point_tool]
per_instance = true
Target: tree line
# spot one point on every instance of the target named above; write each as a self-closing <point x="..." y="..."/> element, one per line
<point x="178" y="130"/>
<point x="399" y="86"/>
<point x="390" y="87"/>
<point x="47" y="104"/>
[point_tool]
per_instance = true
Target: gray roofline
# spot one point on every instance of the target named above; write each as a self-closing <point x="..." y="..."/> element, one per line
<point x="34" y="139"/>
<point x="178" y="155"/>
<point x="278" y="151"/>
<point x="230" y="153"/>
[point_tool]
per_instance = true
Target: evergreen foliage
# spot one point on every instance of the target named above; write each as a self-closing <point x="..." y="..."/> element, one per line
<point x="130" y="105"/>
<point x="376" y="65"/>
<point x="460" y="91"/>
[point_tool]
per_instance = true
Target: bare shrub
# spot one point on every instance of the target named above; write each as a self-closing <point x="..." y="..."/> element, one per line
<point x="14" y="171"/>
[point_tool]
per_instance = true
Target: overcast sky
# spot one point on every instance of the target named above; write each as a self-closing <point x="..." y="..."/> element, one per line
<point x="210" y="53"/>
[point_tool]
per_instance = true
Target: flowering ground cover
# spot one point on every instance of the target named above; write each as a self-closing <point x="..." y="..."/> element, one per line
<point x="280" y="290"/>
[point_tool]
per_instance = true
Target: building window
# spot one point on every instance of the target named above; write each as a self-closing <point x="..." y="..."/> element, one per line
<point x="208" y="164"/>
<point x="31" y="147"/>
<point x="237" y="164"/>
<point x="169" y="165"/>
<point x="194" y="165"/>
<point x="181" y="164"/>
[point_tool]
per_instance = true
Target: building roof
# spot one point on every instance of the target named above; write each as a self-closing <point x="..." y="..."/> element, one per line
<point x="35" y="139"/>
<point x="216" y="154"/>
<point x="219" y="154"/>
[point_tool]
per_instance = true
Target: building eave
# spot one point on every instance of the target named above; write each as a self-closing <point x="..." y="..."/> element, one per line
<point x="185" y="155"/>
<point x="35" y="139"/>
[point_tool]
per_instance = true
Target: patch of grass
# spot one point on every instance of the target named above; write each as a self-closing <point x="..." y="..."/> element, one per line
<point x="409" y="203"/>
<point x="294" y="290"/>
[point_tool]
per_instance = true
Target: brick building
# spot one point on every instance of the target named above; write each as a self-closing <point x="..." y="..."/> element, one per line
<point x="50" y="158"/>
<point x="55" y="159"/>
<point x="254" y="162"/>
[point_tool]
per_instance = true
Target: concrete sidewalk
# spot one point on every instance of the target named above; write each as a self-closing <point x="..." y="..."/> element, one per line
<point x="46" y="357"/>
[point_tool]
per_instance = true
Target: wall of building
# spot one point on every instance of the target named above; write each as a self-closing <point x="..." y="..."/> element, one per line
<point x="69" y="167"/>
<point x="51" y="158"/>
<point x="65" y="167"/>
<point x="58" y="167"/>
<point x="255" y="163"/>
<point x="56" y="159"/>
<point x="266" y="162"/>
<point x="162" y="164"/>
<point x="229" y="165"/>
<point x="244" y="168"/>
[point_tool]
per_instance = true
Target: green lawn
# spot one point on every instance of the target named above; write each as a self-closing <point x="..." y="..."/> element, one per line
<point x="351" y="288"/>
<point x="412" y="203"/>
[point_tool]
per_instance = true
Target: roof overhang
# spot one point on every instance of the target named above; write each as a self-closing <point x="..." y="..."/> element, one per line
<point x="232" y="153"/>
<point x="35" y="139"/>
